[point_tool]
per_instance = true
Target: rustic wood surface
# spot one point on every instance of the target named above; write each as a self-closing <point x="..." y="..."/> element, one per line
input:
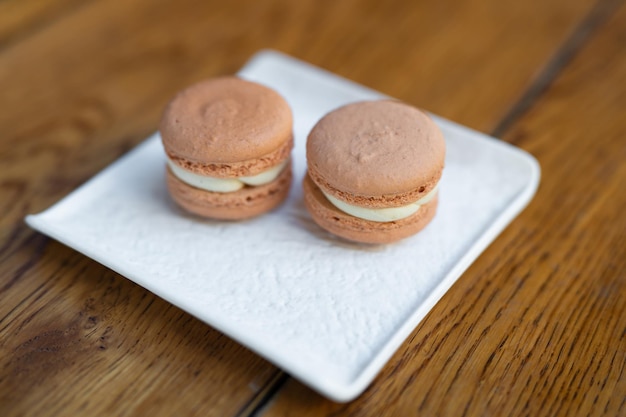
<point x="537" y="326"/>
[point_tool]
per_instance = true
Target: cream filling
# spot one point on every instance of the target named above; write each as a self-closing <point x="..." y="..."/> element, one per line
<point x="381" y="215"/>
<point x="225" y="185"/>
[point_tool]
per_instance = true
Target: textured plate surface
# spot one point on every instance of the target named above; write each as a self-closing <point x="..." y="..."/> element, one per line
<point x="328" y="312"/>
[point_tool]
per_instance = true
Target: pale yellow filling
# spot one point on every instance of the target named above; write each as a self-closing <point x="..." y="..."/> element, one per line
<point x="225" y="185"/>
<point x="382" y="215"/>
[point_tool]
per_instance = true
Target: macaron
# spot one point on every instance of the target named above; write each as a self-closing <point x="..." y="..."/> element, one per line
<point x="228" y="143"/>
<point x="373" y="171"/>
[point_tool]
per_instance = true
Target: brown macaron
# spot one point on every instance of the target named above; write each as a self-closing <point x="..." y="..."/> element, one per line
<point x="373" y="171"/>
<point x="228" y="143"/>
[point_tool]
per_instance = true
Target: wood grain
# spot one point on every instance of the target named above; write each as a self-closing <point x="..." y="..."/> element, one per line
<point x="18" y="18"/>
<point x="537" y="326"/>
<point x="83" y="84"/>
<point x="85" y="341"/>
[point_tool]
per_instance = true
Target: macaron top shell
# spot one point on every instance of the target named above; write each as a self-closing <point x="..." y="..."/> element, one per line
<point x="225" y="120"/>
<point x="376" y="153"/>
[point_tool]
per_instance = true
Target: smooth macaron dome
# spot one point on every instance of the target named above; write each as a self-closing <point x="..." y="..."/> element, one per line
<point x="228" y="143"/>
<point x="373" y="171"/>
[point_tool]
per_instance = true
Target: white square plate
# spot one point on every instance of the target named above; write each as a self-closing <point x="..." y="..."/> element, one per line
<point x="328" y="312"/>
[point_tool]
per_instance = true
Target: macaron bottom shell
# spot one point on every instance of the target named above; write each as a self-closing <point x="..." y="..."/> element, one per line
<point x="355" y="229"/>
<point x="239" y="205"/>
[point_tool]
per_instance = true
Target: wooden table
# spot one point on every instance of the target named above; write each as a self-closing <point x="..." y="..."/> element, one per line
<point x="537" y="325"/>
